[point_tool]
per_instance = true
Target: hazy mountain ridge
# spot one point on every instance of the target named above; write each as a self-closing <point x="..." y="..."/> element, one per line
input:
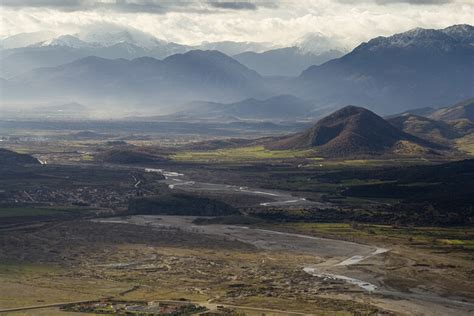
<point x="189" y="76"/>
<point x="281" y="107"/>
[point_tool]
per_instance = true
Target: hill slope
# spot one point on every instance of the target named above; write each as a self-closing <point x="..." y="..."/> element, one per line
<point x="11" y="158"/>
<point x="459" y="111"/>
<point x="353" y="131"/>
<point x="424" y="127"/>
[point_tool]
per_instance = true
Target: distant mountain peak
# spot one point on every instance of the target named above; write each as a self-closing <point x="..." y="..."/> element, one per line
<point x="26" y="39"/>
<point x="108" y="35"/>
<point x="67" y="41"/>
<point x="464" y="33"/>
<point x="459" y="28"/>
<point x="421" y="67"/>
<point x="444" y="39"/>
<point x="317" y="43"/>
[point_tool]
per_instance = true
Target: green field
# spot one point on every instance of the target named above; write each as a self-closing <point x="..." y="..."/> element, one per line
<point x="27" y="211"/>
<point x="310" y="157"/>
<point x="454" y="237"/>
<point x="242" y="154"/>
<point x="32" y="211"/>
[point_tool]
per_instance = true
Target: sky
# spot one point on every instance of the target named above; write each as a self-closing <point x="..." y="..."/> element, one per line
<point x="280" y="22"/>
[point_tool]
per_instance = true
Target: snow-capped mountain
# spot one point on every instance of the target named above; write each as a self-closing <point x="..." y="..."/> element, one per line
<point x="317" y="43"/>
<point x="443" y="40"/>
<point x="66" y="41"/>
<point x="417" y="68"/>
<point x="26" y="39"/>
<point x="464" y="33"/>
<point x="391" y="74"/>
<point x="233" y="48"/>
<point x="311" y="49"/>
<point x="109" y="36"/>
<point x="106" y="41"/>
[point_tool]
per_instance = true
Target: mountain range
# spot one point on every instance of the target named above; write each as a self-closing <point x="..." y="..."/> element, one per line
<point x="418" y="68"/>
<point x="189" y="76"/>
<point x="414" y="69"/>
<point x="26" y="51"/>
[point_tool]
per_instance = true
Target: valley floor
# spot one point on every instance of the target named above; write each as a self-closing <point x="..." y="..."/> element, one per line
<point x="67" y="236"/>
<point x="170" y="258"/>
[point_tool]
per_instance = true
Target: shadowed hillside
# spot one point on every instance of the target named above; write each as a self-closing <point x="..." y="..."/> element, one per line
<point x="8" y="157"/>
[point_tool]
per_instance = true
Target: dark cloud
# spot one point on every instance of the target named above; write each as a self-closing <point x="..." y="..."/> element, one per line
<point x="141" y="6"/>
<point x="66" y="4"/>
<point x="234" y="5"/>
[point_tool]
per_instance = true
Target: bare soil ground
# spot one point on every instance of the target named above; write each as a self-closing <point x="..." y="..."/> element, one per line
<point x="149" y="258"/>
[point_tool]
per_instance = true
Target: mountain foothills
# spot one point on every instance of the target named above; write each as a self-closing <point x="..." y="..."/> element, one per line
<point x="424" y="127"/>
<point x="442" y="125"/>
<point x="355" y="131"/>
<point x="415" y="69"/>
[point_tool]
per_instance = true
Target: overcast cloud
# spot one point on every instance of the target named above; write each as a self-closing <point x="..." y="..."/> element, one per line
<point x="279" y="22"/>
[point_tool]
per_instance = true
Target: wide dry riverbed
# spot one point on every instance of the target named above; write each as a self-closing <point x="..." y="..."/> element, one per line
<point x="339" y="253"/>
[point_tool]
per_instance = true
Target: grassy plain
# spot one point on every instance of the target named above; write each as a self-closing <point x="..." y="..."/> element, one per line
<point x="243" y="154"/>
<point x="442" y="238"/>
<point x="27" y="211"/>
